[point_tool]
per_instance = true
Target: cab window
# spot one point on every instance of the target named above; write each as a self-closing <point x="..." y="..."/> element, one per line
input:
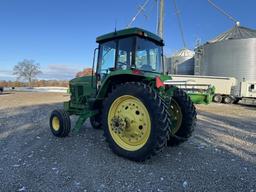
<point x="107" y="57"/>
<point x="125" y="48"/>
<point x="148" y="56"/>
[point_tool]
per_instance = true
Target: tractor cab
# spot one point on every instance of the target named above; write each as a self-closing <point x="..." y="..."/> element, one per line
<point x="129" y="49"/>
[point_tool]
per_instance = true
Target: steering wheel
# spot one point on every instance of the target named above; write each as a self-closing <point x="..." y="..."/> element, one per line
<point x="146" y="67"/>
<point x="121" y="65"/>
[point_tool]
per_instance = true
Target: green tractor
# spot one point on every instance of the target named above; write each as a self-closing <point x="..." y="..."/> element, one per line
<point x="127" y="97"/>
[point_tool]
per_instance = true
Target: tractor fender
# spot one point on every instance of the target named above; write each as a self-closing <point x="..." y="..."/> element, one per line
<point x="113" y="80"/>
<point x="117" y="77"/>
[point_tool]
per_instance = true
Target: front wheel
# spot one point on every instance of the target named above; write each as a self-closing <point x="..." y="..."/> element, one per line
<point x="60" y="123"/>
<point x="183" y="116"/>
<point x="135" y="121"/>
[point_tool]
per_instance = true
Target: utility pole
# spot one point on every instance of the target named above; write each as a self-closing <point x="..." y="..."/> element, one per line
<point x="160" y="24"/>
<point x="177" y="12"/>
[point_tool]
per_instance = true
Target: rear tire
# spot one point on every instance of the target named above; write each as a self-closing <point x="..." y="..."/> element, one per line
<point x="188" y="121"/>
<point x="60" y="123"/>
<point x="236" y="101"/>
<point x="144" y="123"/>
<point x="217" y="98"/>
<point x="227" y="100"/>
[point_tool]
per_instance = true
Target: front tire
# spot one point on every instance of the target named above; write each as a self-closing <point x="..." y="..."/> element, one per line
<point x="183" y="115"/>
<point x="60" y="123"/>
<point x="135" y="121"/>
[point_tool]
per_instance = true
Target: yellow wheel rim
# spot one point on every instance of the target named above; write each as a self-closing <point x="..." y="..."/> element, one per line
<point x="129" y="123"/>
<point x="55" y="123"/>
<point x="176" y="115"/>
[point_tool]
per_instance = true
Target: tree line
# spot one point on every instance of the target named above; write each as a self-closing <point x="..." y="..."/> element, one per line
<point x="35" y="83"/>
<point x="26" y="72"/>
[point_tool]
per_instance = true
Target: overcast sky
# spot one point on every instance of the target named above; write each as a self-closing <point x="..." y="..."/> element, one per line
<point x="60" y="34"/>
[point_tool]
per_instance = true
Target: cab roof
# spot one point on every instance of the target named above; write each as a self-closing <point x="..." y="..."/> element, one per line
<point x="130" y="32"/>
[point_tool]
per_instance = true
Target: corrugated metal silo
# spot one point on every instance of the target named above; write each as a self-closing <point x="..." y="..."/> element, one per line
<point x="231" y="54"/>
<point x="181" y="63"/>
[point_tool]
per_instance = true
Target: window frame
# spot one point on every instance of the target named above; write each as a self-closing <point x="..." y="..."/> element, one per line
<point x="161" y="55"/>
<point x="135" y="40"/>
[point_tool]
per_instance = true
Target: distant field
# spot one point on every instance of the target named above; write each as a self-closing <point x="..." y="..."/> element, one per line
<point x="38" y="89"/>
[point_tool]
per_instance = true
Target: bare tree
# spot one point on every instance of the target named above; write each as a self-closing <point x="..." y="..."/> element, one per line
<point x="27" y="70"/>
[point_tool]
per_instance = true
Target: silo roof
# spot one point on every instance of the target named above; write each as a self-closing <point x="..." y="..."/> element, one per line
<point x="184" y="53"/>
<point x="237" y="32"/>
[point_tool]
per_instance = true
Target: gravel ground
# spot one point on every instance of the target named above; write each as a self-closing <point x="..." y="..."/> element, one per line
<point x="221" y="156"/>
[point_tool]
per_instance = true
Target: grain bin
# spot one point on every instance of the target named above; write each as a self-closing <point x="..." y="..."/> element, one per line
<point x="181" y="63"/>
<point x="231" y="54"/>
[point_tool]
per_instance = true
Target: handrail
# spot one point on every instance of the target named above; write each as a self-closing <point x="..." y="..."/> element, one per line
<point x="93" y="63"/>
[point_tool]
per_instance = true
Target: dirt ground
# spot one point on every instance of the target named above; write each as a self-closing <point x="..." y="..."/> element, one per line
<point x="220" y="156"/>
<point x="21" y="99"/>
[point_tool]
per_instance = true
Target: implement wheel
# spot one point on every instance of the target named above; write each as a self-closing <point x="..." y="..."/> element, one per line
<point x="60" y="123"/>
<point x="135" y="121"/>
<point x="217" y="98"/>
<point x="227" y="100"/>
<point x="236" y="100"/>
<point x="183" y="116"/>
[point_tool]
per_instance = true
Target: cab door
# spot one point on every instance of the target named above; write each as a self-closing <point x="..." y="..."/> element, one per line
<point x="106" y="59"/>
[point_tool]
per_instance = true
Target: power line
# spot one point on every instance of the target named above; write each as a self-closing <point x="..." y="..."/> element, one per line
<point x="147" y="15"/>
<point x="177" y="12"/>
<point x="224" y="13"/>
<point x="141" y="9"/>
